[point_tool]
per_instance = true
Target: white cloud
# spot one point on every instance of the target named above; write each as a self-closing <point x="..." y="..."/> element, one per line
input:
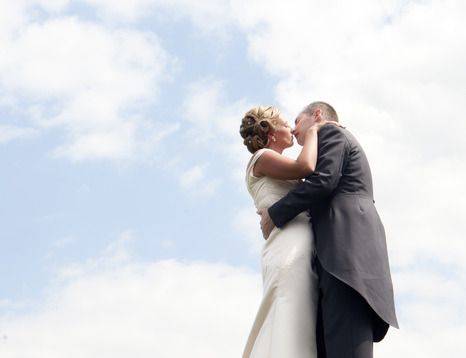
<point x="120" y="308"/>
<point x="208" y="109"/>
<point x="94" y="82"/>
<point x="9" y="133"/>
<point x="195" y="181"/>
<point x="192" y="177"/>
<point x="122" y="10"/>
<point x="116" y="306"/>
<point x="393" y="70"/>
<point x="431" y="312"/>
<point x="12" y="16"/>
<point x="202" y="103"/>
<point x="53" y="6"/>
<point x="210" y="16"/>
<point x="214" y="124"/>
<point x="61" y="57"/>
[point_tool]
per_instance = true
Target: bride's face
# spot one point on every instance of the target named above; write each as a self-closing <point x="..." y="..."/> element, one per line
<point x="282" y="134"/>
<point x="302" y="124"/>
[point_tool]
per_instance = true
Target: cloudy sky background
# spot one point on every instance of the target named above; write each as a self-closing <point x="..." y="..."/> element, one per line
<point x="126" y="228"/>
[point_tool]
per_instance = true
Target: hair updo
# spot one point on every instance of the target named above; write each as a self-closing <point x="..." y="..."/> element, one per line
<point x="256" y="125"/>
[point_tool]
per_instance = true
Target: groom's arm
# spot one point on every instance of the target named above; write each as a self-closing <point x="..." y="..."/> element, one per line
<point x="318" y="186"/>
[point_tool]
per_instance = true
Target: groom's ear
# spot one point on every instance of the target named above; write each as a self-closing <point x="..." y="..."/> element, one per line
<point x="318" y="113"/>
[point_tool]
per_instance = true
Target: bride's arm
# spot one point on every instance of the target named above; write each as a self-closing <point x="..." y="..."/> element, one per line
<point x="275" y="165"/>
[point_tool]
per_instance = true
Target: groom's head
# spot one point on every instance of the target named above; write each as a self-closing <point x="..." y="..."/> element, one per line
<point x="313" y="113"/>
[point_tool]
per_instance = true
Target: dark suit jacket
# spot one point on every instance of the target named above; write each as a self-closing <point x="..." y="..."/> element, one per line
<point x="350" y="237"/>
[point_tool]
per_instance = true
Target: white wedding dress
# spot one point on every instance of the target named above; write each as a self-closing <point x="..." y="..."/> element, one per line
<point x="285" y="323"/>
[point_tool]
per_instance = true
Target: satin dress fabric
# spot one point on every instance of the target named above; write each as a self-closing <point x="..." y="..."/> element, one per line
<point x="285" y="324"/>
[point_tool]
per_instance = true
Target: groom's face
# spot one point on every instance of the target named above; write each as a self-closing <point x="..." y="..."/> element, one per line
<point x="302" y="123"/>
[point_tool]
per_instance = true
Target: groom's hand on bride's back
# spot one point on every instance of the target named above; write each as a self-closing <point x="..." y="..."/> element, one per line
<point x="267" y="224"/>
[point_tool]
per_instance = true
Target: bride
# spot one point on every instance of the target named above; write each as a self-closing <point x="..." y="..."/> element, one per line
<point x="285" y="325"/>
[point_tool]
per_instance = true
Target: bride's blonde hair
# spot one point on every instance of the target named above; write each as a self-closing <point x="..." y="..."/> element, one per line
<point x="256" y="125"/>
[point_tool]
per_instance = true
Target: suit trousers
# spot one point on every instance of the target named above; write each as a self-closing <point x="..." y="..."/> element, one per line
<point x="345" y="322"/>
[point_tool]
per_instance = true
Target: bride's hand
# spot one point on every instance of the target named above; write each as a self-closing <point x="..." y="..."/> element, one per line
<point x="316" y="126"/>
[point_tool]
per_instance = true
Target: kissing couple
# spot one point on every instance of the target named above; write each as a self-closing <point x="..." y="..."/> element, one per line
<point x="327" y="288"/>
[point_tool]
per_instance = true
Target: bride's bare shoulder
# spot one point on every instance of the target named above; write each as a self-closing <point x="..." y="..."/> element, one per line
<point x="254" y="159"/>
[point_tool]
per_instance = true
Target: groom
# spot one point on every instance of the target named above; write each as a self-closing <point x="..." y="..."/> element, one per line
<point x="356" y="304"/>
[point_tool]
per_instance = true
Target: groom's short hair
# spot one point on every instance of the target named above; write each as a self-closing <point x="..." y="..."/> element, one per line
<point x="328" y="112"/>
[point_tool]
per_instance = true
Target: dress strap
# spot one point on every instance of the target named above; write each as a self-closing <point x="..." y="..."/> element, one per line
<point x="253" y="161"/>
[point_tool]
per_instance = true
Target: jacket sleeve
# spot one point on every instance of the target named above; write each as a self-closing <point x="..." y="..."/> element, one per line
<point x="318" y="186"/>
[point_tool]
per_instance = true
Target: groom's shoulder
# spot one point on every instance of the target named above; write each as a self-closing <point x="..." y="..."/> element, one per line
<point x="330" y="133"/>
<point x="331" y="130"/>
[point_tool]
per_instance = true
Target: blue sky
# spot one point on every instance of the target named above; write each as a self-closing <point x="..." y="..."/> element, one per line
<point x="90" y="202"/>
<point x="123" y="199"/>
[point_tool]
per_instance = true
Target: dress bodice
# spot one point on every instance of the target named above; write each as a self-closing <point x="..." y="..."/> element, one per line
<point x="265" y="191"/>
<point x="290" y="284"/>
